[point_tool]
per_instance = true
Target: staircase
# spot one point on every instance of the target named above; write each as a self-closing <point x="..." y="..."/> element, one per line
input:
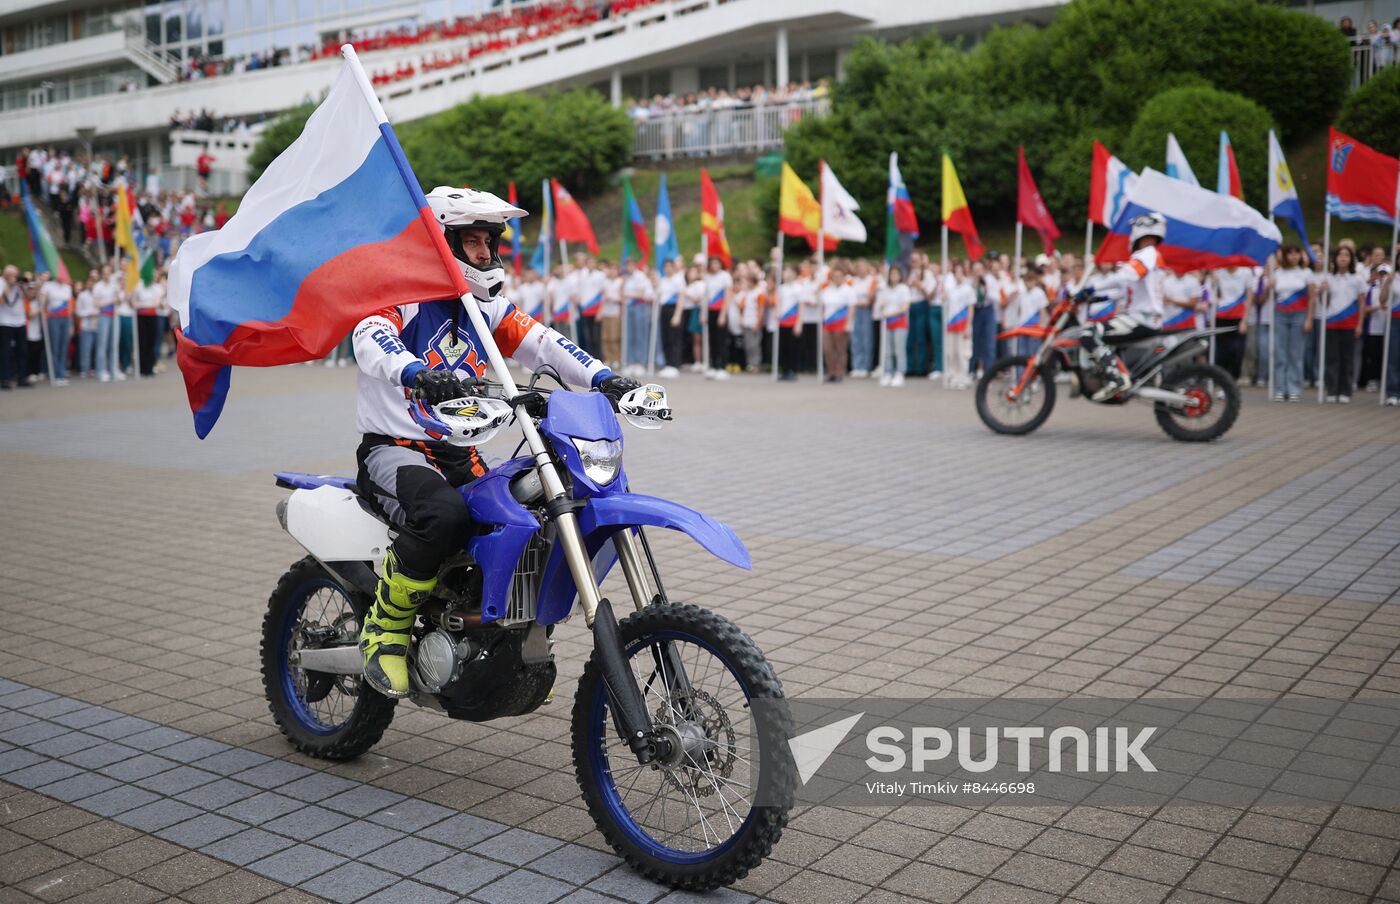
<point x="145" y="55"/>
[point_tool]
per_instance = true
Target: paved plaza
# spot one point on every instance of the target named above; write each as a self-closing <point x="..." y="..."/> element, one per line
<point x="900" y="549"/>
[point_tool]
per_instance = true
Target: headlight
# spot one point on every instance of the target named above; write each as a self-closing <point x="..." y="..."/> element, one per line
<point x="601" y="458"/>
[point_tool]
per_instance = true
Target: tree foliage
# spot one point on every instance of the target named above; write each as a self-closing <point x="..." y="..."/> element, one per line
<point x="1197" y="115"/>
<point x="275" y="139"/>
<point x="575" y="136"/>
<point x="1372" y="114"/>
<point x="1124" y="72"/>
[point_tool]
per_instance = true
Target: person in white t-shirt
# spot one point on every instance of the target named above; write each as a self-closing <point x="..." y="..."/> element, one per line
<point x="1342" y="322"/>
<point x="610" y="314"/>
<point x="1373" y="330"/>
<point x="866" y="284"/>
<point x="693" y="313"/>
<point x="892" y="309"/>
<point x="13" y="348"/>
<point x="87" y="325"/>
<point x="718" y="282"/>
<point x="57" y="302"/>
<point x="752" y="309"/>
<point x="147" y="300"/>
<point x="638" y="296"/>
<point x="670" y="294"/>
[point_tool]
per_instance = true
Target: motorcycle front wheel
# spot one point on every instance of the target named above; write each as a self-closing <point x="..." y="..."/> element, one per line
<point x="1014" y="414"/>
<point x="336" y="717"/>
<point x="1217" y="401"/>
<point x="696" y="822"/>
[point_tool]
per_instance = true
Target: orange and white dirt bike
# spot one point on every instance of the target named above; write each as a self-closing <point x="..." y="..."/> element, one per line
<point x="1194" y="401"/>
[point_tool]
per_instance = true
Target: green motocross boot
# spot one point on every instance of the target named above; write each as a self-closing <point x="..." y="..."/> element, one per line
<point x="384" y="635"/>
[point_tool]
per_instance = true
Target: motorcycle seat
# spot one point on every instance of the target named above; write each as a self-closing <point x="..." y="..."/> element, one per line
<point x="300" y="480"/>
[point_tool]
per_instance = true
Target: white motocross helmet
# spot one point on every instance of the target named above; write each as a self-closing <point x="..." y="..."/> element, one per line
<point x="1148" y="224"/>
<point x="456" y="209"/>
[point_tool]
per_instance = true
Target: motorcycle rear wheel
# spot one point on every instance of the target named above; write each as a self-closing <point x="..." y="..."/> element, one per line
<point x="647" y="815"/>
<point x="1219" y="397"/>
<point x="1028" y="411"/>
<point x="334" y="717"/>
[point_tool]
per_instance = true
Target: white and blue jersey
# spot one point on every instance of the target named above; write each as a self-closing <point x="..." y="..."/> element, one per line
<point x="393" y="345"/>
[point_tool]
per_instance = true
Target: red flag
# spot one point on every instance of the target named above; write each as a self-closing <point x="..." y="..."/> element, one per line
<point x="712" y="221"/>
<point x="1030" y="206"/>
<point x="1361" y="181"/>
<point x="570" y="222"/>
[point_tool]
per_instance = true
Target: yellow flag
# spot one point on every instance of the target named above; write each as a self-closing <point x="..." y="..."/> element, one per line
<point x="957" y="216"/>
<point x="953" y="197"/>
<point x="125" y="240"/>
<point x="799" y="213"/>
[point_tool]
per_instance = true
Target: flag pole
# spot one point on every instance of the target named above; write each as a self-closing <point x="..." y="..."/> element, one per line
<point x="777" y="302"/>
<point x="44" y="335"/>
<point x="114" y="361"/>
<point x="1213" y="303"/>
<point x="1016" y="254"/>
<point x="655" y="326"/>
<point x="1320" y="323"/>
<point x="947" y="310"/>
<point x="544" y="243"/>
<point x="1387" y="316"/>
<point x="1271" y="299"/>
<point x="821" y="265"/>
<point x="1088" y="243"/>
<point x="704" y="299"/>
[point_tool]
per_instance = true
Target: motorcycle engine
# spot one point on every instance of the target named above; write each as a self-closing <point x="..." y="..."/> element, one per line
<point x="439" y="659"/>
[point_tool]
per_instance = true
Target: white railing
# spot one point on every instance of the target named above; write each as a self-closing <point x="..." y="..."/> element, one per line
<point x="721" y="132"/>
<point x="1367" y="59"/>
<point x="222" y="183"/>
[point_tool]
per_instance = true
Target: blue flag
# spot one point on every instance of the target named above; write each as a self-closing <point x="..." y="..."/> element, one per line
<point x="1283" y="195"/>
<point x="546" y="232"/>
<point x="667" y="249"/>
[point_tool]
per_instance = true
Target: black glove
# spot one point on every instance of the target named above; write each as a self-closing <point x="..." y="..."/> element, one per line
<point x="536" y="405"/>
<point x="615" y="387"/>
<point x="437" y="386"/>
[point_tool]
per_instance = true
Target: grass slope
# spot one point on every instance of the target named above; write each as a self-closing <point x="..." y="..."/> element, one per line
<point x="14" y="247"/>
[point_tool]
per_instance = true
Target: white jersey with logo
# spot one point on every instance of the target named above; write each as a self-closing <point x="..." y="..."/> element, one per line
<point x="392" y="346"/>
<point x="1140" y="278"/>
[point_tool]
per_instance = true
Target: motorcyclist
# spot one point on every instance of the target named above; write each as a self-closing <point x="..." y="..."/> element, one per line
<point x="1140" y="279"/>
<point x="424" y="352"/>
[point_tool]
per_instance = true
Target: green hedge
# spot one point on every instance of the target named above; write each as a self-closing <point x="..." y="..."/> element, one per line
<point x="576" y="137"/>
<point x="1196" y="116"/>
<point x="1089" y="74"/>
<point x="1372" y="114"/>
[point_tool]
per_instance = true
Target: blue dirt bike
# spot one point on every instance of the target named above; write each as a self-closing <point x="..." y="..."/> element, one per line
<point x="685" y="777"/>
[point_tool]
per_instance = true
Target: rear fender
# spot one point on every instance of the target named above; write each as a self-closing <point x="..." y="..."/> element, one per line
<point x="333" y="525"/>
<point x="603" y="517"/>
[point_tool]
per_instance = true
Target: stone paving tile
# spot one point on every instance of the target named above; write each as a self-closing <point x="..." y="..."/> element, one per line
<point x="929" y="590"/>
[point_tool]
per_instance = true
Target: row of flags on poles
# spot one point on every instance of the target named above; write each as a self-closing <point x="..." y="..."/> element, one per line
<point x="137" y="260"/>
<point x="337" y="227"/>
<point x="1209" y="231"/>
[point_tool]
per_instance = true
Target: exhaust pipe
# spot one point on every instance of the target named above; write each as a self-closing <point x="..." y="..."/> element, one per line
<point x="347" y="660"/>
<point x="1175" y="399"/>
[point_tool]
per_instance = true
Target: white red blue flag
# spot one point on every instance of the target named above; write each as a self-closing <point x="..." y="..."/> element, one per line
<point x="336" y="228"/>
<point x="1205" y="230"/>
<point x="1109" y="184"/>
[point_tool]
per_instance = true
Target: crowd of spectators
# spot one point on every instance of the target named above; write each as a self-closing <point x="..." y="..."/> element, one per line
<point x="489" y="32"/>
<point x="719" y="99"/>
<point x="1378" y="46"/>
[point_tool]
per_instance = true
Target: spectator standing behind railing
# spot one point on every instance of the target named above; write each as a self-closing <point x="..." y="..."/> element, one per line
<point x="1383" y="48"/>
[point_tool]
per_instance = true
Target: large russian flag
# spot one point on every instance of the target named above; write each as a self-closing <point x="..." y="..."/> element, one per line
<point x="1205" y="230"/>
<point x="336" y="229"/>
